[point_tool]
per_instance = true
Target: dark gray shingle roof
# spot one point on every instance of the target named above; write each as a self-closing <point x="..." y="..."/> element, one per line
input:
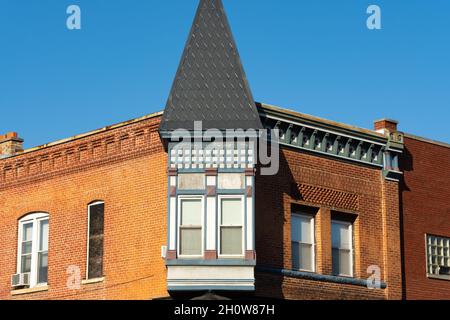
<point x="210" y="84"/>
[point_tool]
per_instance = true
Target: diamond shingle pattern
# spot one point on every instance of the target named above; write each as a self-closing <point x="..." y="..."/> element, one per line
<point x="210" y="84"/>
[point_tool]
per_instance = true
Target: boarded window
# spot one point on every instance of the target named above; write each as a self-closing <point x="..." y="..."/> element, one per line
<point x="96" y="230"/>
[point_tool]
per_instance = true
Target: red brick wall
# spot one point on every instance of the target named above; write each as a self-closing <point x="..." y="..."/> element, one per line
<point x="126" y="168"/>
<point x="426" y="210"/>
<point x="331" y="185"/>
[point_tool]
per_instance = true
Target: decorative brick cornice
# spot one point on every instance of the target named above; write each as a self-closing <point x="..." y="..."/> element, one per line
<point x="329" y="197"/>
<point x="109" y="146"/>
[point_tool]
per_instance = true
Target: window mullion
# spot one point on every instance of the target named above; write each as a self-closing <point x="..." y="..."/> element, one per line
<point x="34" y="257"/>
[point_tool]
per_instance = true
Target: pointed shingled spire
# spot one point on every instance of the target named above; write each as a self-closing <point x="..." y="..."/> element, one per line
<point x="210" y="84"/>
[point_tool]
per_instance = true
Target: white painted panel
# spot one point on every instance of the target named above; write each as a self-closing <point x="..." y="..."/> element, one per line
<point x="211" y="181"/>
<point x="191" y="181"/>
<point x="210" y="272"/>
<point x="249" y="181"/>
<point x="211" y="223"/>
<point x="249" y="226"/>
<point x="173" y="181"/>
<point x="229" y="181"/>
<point x="173" y="223"/>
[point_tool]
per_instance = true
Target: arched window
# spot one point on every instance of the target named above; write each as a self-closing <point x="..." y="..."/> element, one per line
<point x="96" y="213"/>
<point x="32" y="257"/>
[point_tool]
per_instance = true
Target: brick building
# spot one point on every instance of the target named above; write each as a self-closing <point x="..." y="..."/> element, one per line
<point x="425" y="207"/>
<point x="129" y="212"/>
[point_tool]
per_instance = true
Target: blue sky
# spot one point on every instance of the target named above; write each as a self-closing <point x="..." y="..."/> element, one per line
<point x="314" y="56"/>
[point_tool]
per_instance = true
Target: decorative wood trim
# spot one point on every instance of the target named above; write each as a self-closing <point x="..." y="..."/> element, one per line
<point x="250" y="255"/>
<point x="211" y="191"/>
<point x="249" y="191"/>
<point x="249" y="172"/>
<point x="211" y="172"/>
<point x="171" y="255"/>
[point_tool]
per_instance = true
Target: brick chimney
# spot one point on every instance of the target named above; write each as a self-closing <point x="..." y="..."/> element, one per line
<point x="386" y="126"/>
<point x="10" y="144"/>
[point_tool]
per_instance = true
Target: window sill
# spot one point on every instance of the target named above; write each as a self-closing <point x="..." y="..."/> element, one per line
<point x="230" y="257"/>
<point x="92" y="281"/>
<point x="29" y="290"/>
<point x="438" y="277"/>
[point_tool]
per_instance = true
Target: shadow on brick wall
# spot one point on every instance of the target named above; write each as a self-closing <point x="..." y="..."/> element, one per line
<point x="272" y="200"/>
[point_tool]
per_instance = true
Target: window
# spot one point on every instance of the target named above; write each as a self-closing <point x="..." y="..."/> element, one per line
<point x="231" y="226"/>
<point x="438" y="256"/>
<point x="190" y="231"/>
<point x="342" y="248"/>
<point x="96" y="214"/>
<point x="33" y="248"/>
<point x="303" y="242"/>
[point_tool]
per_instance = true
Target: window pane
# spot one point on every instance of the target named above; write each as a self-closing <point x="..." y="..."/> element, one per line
<point x="306" y="257"/>
<point x="43" y="236"/>
<point x="295" y="228"/>
<point x="232" y="212"/>
<point x="95" y="257"/>
<point x="295" y="255"/>
<point x="342" y="262"/>
<point x="336" y="262"/>
<point x="345" y="262"/>
<point x="96" y="219"/>
<point x="27" y="232"/>
<point x="42" y="267"/>
<point x="27" y="247"/>
<point x="301" y="229"/>
<point x="341" y="236"/>
<point x="96" y="238"/>
<point x="302" y="256"/>
<point x="191" y="241"/>
<point x="306" y="236"/>
<point x="26" y="264"/>
<point x="191" y="212"/>
<point x="231" y="241"/>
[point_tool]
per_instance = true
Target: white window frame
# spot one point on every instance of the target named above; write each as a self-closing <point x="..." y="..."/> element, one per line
<point x="429" y="256"/>
<point x="313" y="233"/>
<point x="219" y="226"/>
<point x="352" y="267"/>
<point x="202" y="200"/>
<point x="88" y="232"/>
<point x="35" y="219"/>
